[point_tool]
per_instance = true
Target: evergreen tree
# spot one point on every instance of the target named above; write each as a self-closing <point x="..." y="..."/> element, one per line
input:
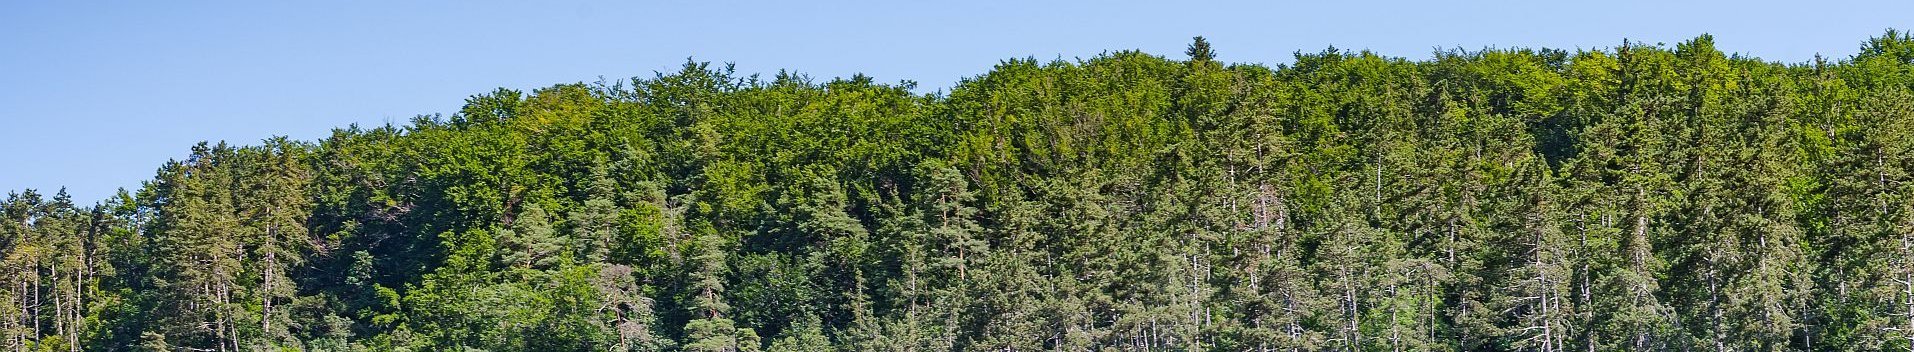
<point x="712" y="331"/>
<point x="1199" y="50"/>
<point x="274" y="205"/>
<point x="531" y="241"/>
<point x="595" y="224"/>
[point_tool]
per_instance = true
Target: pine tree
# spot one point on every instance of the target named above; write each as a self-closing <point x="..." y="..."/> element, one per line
<point x="1536" y="292"/>
<point x="1868" y="208"/>
<point x="805" y="335"/>
<point x="595" y="224"/>
<point x="274" y="206"/>
<point x="199" y="256"/>
<point x="531" y="242"/>
<point x="1199" y="50"/>
<point x="712" y="330"/>
<point x="629" y="312"/>
<point x="954" y="233"/>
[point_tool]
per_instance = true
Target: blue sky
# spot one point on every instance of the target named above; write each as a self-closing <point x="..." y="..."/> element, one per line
<point x="94" y="95"/>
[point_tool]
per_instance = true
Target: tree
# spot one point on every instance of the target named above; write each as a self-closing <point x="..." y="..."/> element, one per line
<point x="1537" y="290"/>
<point x="531" y="241"/>
<point x="595" y="224"/>
<point x="199" y="256"/>
<point x="1199" y="50"/>
<point x="274" y="207"/>
<point x="712" y="331"/>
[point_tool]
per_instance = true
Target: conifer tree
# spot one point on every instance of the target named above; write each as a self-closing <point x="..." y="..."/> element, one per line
<point x="712" y="330"/>
<point x="274" y="205"/>
<point x="531" y="241"/>
<point x="595" y="224"/>
<point x="1199" y="50"/>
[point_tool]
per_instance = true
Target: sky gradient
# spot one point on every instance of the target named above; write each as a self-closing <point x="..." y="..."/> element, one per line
<point x="94" y="96"/>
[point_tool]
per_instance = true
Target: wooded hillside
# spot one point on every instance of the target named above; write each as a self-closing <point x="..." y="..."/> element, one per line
<point x="1641" y="197"/>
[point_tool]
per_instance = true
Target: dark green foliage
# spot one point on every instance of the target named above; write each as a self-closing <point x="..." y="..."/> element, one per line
<point x="1635" y="198"/>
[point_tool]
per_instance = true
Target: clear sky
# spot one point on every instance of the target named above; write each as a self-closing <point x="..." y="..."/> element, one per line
<point x="94" y="95"/>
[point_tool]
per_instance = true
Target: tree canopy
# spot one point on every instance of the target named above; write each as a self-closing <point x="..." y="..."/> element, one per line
<point x="1640" y="197"/>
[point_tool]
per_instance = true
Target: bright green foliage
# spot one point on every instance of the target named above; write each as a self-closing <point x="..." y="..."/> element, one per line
<point x="1643" y="197"/>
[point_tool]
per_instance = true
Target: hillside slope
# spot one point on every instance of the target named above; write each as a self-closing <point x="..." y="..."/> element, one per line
<point x="1634" y="198"/>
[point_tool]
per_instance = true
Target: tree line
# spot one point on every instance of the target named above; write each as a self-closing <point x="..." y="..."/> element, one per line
<point x="1640" y="197"/>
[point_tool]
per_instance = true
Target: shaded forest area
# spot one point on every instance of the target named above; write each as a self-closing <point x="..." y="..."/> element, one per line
<point x="1641" y="197"/>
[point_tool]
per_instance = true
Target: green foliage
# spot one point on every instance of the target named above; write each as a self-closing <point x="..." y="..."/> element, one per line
<point x="1642" y="197"/>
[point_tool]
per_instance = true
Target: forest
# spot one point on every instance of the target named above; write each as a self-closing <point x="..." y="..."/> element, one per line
<point x="1637" y="197"/>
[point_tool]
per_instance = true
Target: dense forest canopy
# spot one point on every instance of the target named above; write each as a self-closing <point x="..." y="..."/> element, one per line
<point x="1641" y="197"/>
